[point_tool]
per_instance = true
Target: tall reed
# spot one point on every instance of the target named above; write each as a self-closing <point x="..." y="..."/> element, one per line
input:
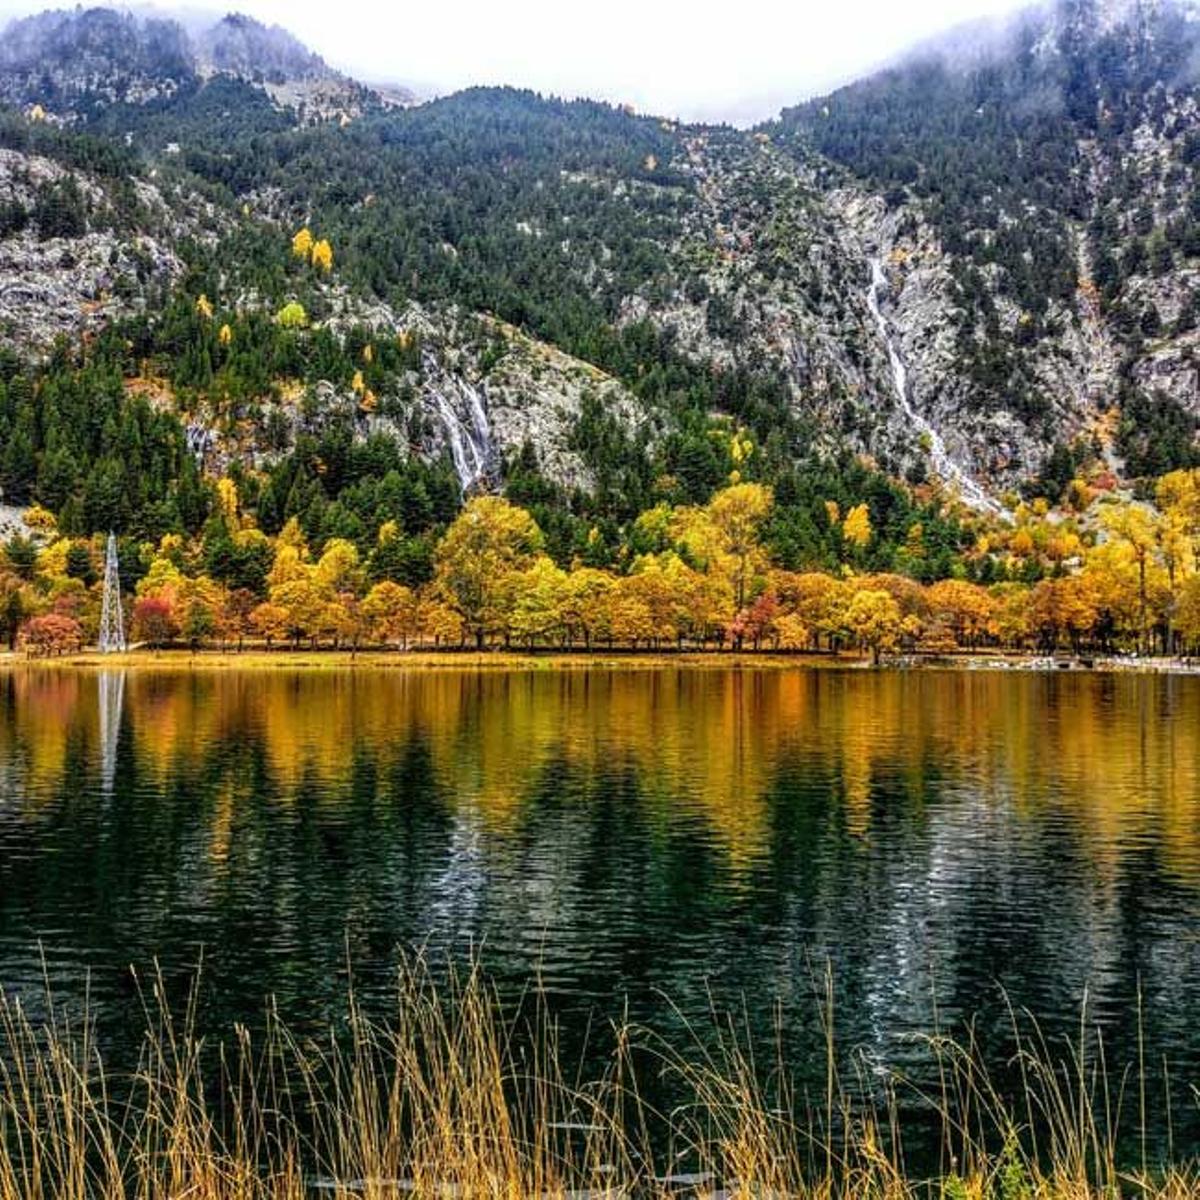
<point x="457" y="1096"/>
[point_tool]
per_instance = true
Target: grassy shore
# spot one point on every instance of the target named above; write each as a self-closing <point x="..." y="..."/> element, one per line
<point x="258" y="658"/>
<point x="503" y="660"/>
<point x="455" y="1096"/>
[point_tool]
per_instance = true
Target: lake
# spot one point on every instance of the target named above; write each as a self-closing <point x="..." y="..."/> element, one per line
<point x="949" y="843"/>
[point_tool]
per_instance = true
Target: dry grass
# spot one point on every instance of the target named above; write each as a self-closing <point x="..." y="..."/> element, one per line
<point x="422" y="660"/>
<point x="451" y="1098"/>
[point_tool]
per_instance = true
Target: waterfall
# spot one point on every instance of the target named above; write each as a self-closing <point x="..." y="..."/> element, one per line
<point x="200" y="441"/>
<point x="970" y="491"/>
<point x="459" y="408"/>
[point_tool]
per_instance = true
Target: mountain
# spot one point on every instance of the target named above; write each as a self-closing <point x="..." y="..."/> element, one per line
<point x="1041" y="205"/>
<point x="971" y="276"/>
<point x="77" y="63"/>
<point x="241" y="46"/>
<point x="62" y="59"/>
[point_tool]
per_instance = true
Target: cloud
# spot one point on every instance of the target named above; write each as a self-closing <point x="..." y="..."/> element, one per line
<point x="696" y="59"/>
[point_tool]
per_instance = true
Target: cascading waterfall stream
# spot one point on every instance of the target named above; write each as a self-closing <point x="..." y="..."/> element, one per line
<point x="971" y="493"/>
<point x="468" y="434"/>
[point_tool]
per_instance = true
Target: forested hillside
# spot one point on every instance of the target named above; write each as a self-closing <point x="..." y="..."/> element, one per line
<point x="959" y="293"/>
<point x="1051" y="167"/>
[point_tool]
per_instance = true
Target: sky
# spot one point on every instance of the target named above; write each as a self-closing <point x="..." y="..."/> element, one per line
<point x="736" y="60"/>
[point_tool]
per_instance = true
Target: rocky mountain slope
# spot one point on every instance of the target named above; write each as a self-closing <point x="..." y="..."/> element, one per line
<point x="977" y="269"/>
<point x="1040" y="218"/>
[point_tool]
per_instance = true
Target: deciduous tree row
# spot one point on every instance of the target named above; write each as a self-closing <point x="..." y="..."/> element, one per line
<point x="704" y="578"/>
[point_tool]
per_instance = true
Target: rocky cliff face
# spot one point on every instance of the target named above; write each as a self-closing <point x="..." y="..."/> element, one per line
<point x="851" y="304"/>
<point x="75" y="256"/>
<point x="482" y="393"/>
<point x="1033" y="193"/>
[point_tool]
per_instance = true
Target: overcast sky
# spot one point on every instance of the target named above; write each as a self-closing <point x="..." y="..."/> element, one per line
<point x="737" y="60"/>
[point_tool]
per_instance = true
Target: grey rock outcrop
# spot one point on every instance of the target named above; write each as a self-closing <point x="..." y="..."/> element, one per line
<point x="68" y="286"/>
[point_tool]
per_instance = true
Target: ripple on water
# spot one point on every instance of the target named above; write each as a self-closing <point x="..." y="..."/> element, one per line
<point x="950" y="844"/>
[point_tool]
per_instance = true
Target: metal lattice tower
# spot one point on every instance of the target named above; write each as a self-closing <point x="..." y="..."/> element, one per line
<point x="112" y="620"/>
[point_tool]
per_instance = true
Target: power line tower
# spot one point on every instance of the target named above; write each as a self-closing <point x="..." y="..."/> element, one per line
<point x="112" y="620"/>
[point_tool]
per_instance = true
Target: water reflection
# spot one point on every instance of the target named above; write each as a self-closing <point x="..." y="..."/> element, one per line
<point x="709" y="833"/>
<point x="111" y="690"/>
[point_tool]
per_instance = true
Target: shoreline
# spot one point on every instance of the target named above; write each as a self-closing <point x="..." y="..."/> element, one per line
<point x="575" y="660"/>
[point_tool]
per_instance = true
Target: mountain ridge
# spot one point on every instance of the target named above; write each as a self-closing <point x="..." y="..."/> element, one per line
<point x="981" y="274"/>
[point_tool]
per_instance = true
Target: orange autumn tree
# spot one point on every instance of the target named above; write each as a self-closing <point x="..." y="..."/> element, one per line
<point x="155" y="620"/>
<point x="52" y="634"/>
<point x="965" y="609"/>
<point x="270" y="622"/>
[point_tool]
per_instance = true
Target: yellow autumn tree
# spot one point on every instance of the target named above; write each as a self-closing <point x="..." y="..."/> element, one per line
<point x="1062" y="609"/>
<point x="1135" y="528"/>
<point x="539" y="592"/>
<point x="439" y="623"/>
<point x="856" y="528"/>
<point x="287" y="566"/>
<point x="1187" y="614"/>
<point x="390" y="612"/>
<point x="302" y="243"/>
<point x="489" y="541"/>
<point x="303" y="604"/>
<point x="337" y="570"/>
<point x="40" y="520"/>
<point x="227" y="499"/>
<point x="583" y="604"/>
<point x="964" y="608"/>
<point x="52" y="559"/>
<point x="628" y="617"/>
<point x="651" y="586"/>
<point x="819" y="600"/>
<point x="322" y="256"/>
<point x="1179" y="491"/>
<point x="292" y="315"/>
<point x="1010" y="613"/>
<point x="736" y="515"/>
<point x="874" y="621"/>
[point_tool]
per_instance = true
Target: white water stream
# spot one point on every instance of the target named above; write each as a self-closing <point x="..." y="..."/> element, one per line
<point x="944" y="466"/>
<point x="465" y="423"/>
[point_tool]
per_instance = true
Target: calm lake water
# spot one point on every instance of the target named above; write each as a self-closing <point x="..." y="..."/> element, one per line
<point x="717" y="836"/>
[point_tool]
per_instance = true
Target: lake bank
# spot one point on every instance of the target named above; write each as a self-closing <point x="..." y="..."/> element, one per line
<point x="259" y="658"/>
